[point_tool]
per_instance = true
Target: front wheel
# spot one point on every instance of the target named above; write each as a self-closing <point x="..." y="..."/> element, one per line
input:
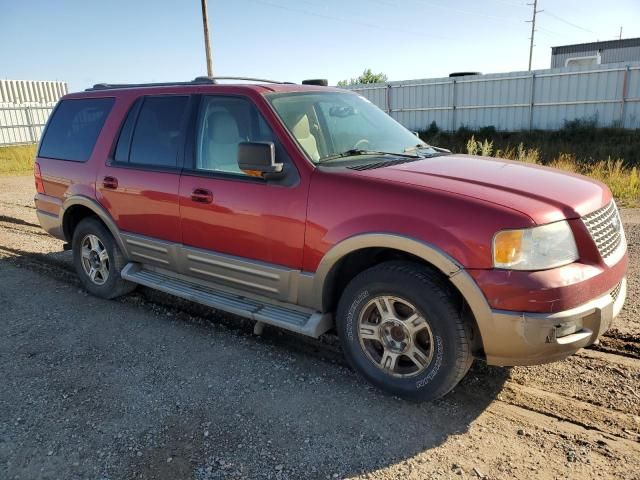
<point x="399" y="327"/>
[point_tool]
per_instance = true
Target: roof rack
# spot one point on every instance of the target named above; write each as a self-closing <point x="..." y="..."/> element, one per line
<point x="250" y="79"/>
<point x="195" y="81"/>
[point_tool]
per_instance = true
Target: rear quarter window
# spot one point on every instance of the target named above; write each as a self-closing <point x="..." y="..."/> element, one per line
<point x="74" y="128"/>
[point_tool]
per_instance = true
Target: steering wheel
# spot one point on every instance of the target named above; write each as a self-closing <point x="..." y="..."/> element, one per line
<point x="362" y="144"/>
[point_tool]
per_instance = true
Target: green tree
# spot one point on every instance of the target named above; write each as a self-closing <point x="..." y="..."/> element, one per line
<point x="367" y="77"/>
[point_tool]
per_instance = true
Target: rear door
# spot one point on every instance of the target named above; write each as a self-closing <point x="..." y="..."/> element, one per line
<point x="139" y="184"/>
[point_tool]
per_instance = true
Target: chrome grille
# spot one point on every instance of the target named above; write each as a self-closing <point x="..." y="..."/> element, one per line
<point x="616" y="291"/>
<point x="605" y="227"/>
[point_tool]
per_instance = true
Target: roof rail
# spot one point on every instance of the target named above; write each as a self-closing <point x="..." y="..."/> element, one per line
<point x="250" y="79"/>
<point x="109" y="86"/>
<point x="195" y="81"/>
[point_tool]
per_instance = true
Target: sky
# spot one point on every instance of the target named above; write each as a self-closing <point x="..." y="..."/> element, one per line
<point x="86" y="42"/>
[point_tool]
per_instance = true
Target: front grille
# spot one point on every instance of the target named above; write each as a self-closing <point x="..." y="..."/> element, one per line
<point x="605" y="227"/>
<point x="616" y="291"/>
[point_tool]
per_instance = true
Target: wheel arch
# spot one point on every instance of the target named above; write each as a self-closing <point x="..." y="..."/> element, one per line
<point x="369" y="249"/>
<point x="77" y="207"/>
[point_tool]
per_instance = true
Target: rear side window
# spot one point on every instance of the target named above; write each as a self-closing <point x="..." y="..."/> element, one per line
<point x="74" y="128"/>
<point x="157" y="133"/>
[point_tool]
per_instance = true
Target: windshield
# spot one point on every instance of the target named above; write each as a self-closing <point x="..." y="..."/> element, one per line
<point x="330" y="125"/>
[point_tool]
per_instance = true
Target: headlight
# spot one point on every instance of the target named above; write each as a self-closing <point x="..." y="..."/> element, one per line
<point x="536" y="248"/>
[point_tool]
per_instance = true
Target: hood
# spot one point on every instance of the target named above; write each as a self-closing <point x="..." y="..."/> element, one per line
<point x="544" y="194"/>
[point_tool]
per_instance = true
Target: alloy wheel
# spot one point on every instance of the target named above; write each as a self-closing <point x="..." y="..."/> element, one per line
<point x="395" y="336"/>
<point x="95" y="259"/>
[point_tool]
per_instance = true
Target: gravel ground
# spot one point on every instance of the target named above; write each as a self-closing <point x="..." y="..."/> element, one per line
<point x="149" y="386"/>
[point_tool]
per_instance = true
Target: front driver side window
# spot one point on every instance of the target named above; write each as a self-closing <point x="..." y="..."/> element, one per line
<point x="224" y="122"/>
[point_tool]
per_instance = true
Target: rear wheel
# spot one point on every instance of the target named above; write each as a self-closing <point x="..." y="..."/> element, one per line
<point x="98" y="260"/>
<point x="400" y="328"/>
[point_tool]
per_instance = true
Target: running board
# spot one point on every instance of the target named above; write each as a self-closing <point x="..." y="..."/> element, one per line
<point x="287" y="316"/>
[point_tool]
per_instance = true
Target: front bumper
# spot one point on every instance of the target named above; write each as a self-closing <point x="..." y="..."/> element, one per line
<point x="522" y="338"/>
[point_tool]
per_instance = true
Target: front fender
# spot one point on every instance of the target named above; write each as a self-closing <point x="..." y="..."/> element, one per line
<point x="312" y="286"/>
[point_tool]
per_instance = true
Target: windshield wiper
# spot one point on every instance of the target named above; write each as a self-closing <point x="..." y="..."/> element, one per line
<point x="359" y="151"/>
<point x="422" y="146"/>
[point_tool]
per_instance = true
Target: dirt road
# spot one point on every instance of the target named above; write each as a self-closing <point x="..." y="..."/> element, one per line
<point x="149" y="386"/>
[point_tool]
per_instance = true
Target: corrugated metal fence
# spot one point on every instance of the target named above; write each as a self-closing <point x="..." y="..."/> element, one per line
<point x="26" y="91"/>
<point x="25" y="106"/>
<point x="22" y="123"/>
<point x="542" y="99"/>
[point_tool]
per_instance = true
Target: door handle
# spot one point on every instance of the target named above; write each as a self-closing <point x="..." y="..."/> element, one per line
<point x="110" y="182"/>
<point x="202" y="195"/>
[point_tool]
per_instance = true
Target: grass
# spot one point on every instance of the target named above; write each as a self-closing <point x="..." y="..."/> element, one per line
<point x="580" y="138"/>
<point x="17" y="159"/>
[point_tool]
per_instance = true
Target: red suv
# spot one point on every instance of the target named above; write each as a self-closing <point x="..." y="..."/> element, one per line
<point x="308" y="208"/>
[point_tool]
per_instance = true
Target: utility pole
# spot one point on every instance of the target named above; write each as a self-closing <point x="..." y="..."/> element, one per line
<point x="207" y="47"/>
<point x="533" y="28"/>
<point x="620" y="36"/>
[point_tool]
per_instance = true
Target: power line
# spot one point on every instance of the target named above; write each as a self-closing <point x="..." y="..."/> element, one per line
<point x="389" y="3"/>
<point x="546" y="30"/>
<point x="504" y="2"/>
<point x="349" y="21"/>
<point x="467" y="12"/>
<point x="569" y="23"/>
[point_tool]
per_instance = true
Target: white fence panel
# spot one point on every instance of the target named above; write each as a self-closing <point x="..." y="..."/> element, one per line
<point x="22" y="123"/>
<point x="25" y="106"/>
<point x="542" y="99"/>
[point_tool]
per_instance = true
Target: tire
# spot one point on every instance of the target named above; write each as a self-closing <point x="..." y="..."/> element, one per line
<point x="92" y="236"/>
<point x="400" y="328"/>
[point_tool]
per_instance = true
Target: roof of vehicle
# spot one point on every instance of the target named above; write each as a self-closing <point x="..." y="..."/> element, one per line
<point x="199" y="85"/>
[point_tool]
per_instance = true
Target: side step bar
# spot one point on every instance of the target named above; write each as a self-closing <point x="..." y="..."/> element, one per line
<point x="289" y="317"/>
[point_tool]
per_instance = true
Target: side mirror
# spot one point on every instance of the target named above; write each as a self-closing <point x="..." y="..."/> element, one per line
<point x="258" y="158"/>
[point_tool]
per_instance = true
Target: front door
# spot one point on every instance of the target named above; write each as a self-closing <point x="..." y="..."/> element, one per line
<point x="237" y="229"/>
